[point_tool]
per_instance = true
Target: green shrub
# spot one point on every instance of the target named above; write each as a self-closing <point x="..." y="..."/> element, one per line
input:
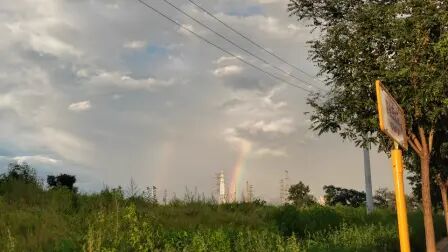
<point x="306" y="221"/>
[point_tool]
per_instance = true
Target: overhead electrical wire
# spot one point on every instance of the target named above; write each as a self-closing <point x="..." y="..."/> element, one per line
<point x="221" y="48"/>
<point x="253" y="42"/>
<point x="238" y="46"/>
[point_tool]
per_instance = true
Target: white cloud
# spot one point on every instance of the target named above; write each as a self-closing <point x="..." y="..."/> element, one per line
<point x="294" y="27"/>
<point x="269" y="1"/>
<point x="80" y="106"/>
<point x="237" y="142"/>
<point x="36" y="159"/>
<point x="263" y="152"/>
<point x="34" y="36"/>
<point x="82" y="73"/>
<point x="117" y="96"/>
<point x="135" y="44"/>
<point x="51" y="45"/>
<point x="250" y="104"/>
<point x="7" y="101"/>
<point x="272" y="26"/>
<point x="185" y="29"/>
<point x="225" y="59"/>
<point x="268" y="102"/>
<point x="119" y="80"/>
<point x="65" y="144"/>
<point x="283" y="126"/>
<point x="227" y="70"/>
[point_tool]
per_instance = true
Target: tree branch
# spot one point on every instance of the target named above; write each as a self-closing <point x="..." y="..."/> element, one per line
<point x="417" y="150"/>
<point x="416" y="141"/>
<point x="431" y="138"/>
<point x="421" y="131"/>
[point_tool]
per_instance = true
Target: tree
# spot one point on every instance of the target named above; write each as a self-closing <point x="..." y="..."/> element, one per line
<point x="443" y="184"/>
<point x="62" y="180"/>
<point x="20" y="171"/>
<point x="300" y="195"/>
<point x="346" y="197"/>
<point x="440" y="155"/>
<point x="404" y="43"/>
<point x="384" y="198"/>
<point x="439" y="174"/>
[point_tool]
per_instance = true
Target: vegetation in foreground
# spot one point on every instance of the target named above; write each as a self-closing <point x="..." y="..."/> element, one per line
<point x="60" y="219"/>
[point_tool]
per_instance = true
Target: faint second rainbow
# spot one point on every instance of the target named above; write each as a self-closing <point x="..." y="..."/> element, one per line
<point x="244" y="150"/>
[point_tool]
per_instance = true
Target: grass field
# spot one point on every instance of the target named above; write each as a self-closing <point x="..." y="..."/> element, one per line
<point x="33" y="219"/>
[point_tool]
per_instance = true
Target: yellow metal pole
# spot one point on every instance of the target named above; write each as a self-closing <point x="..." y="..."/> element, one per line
<point x="397" y="167"/>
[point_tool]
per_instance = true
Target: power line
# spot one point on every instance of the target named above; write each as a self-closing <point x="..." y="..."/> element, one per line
<point x="251" y="41"/>
<point x="235" y="44"/>
<point x="222" y="49"/>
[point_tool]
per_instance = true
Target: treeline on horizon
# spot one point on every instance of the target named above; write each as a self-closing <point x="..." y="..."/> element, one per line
<point x="59" y="218"/>
<point x="298" y="194"/>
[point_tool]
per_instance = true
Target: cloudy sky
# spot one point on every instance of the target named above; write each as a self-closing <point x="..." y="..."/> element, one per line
<point x="108" y="90"/>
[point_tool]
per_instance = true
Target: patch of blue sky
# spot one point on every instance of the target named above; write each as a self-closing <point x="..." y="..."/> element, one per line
<point x="156" y="50"/>
<point x="9" y="150"/>
<point x="251" y="10"/>
<point x="141" y="59"/>
<point x="5" y="151"/>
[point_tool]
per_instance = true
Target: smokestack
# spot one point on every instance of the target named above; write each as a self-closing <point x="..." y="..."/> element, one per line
<point x="222" y="189"/>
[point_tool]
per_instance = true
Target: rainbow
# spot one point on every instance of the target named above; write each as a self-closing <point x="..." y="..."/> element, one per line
<point x="244" y="149"/>
<point x="163" y="162"/>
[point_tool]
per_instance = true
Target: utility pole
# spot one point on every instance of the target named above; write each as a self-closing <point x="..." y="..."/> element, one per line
<point x="282" y="192"/>
<point x="368" y="181"/>
<point x="286" y="187"/>
<point x="251" y="193"/>
<point x="234" y="194"/>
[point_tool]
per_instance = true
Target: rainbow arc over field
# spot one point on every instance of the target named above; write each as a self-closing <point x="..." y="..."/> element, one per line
<point x="243" y="152"/>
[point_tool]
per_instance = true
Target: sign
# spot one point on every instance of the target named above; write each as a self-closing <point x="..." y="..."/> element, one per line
<point x="391" y="115"/>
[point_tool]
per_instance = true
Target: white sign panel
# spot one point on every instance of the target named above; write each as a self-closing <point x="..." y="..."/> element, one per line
<point x="391" y="115"/>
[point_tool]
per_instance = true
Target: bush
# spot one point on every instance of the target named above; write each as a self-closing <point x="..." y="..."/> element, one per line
<point x="306" y="221"/>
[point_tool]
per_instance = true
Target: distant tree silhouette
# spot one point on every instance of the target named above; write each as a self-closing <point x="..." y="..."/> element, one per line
<point x="384" y="198"/>
<point x="300" y="195"/>
<point x="347" y="197"/>
<point x="20" y="171"/>
<point x="62" y="180"/>
<point x="19" y="182"/>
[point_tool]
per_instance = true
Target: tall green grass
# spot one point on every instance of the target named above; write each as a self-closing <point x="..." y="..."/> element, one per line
<point x="33" y="219"/>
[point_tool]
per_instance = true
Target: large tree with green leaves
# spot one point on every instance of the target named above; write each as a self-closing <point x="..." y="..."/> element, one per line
<point x="62" y="180"/>
<point x="346" y="197"/>
<point x="404" y="43"/>
<point x="300" y="195"/>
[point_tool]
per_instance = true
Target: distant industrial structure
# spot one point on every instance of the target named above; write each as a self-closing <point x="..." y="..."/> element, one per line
<point x="248" y="195"/>
<point x="225" y="194"/>
<point x="284" y="188"/>
<point x="222" y="189"/>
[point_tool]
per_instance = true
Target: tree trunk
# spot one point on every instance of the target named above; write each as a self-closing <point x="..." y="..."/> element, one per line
<point x="426" y="202"/>
<point x="444" y="203"/>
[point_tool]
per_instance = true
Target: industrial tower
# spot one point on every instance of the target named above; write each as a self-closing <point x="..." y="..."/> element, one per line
<point x="284" y="188"/>
<point x="248" y="195"/>
<point x="222" y="189"/>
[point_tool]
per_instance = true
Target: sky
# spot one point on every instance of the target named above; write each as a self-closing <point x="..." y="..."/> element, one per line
<point x="110" y="91"/>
